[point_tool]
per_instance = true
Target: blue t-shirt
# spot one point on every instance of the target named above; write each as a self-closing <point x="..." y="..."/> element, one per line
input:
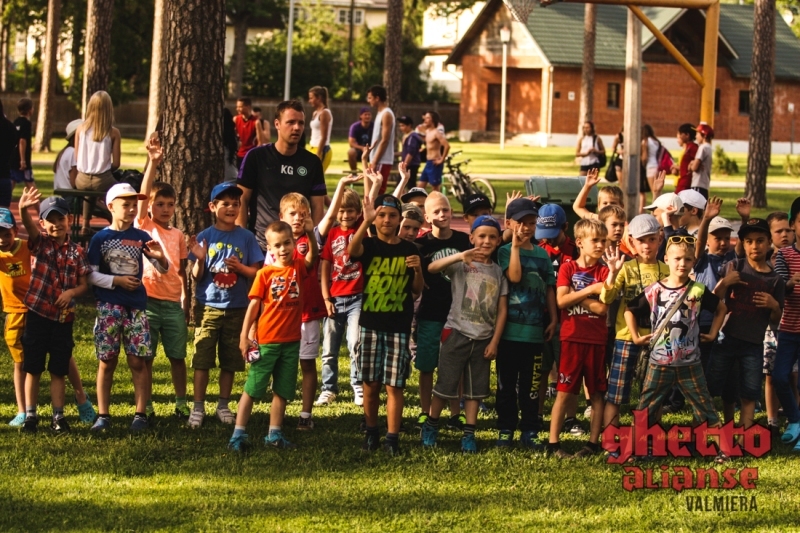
<point x="119" y="253"/>
<point x="708" y="270"/>
<point x="218" y="287"/>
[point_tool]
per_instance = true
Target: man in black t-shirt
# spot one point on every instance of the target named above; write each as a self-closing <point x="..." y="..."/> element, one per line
<point x="20" y="162"/>
<point x="8" y="143"/>
<point x="271" y="171"/>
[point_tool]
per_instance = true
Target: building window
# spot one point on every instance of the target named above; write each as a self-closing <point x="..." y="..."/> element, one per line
<point x="716" y="101"/>
<point x="744" y="102"/>
<point x="343" y="16"/>
<point x="556" y="95"/>
<point x="612" y="100"/>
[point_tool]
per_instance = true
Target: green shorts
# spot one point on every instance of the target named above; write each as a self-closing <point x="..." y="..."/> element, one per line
<point x="278" y="361"/>
<point x="219" y="329"/>
<point x="167" y="323"/>
<point x="551" y="353"/>
<point x="429" y="341"/>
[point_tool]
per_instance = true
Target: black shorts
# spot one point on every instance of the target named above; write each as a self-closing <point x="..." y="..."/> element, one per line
<point x="587" y="168"/>
<point x="43" y="336"/>
<point x="644" y="185"/>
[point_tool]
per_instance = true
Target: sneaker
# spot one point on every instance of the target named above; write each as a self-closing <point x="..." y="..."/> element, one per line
<point x="584" y="452"/>
<point x="468" y="444"/>
<point x="792" y="433"/>
<point x="587" y="414"/>
<point x="482" y="408"/>
<point x="529" y="439"/>
<point x="796" y="448"/>
<point x="196" y="419"/>
<point x="362" y="426"/>
<point x="421" y="419"/>
<point x="59" y="426"/>
<point x="239" y="443"/>
<point x="86" y="412"/>
<point x="101" y="424"/>
<point x="371" y="443"/>
<point x="139" y="423"/>
<point x="305" y="423"/>
<point x="551" y="390"/>
<point x="573" y="427"/>
<point x="457" y="422"/>
<point x="226" y="416"/>
<point x="561" y="454"/>
<point x="358" y="396"/>
<point x="31" y="424"/>
<point x="429" y="434"/>
<point x="391" y="448"/>
<point x="277" y="440"/>
<point x="326" y="397"/>
<point x="182" y="411"/>
<point x="504" y="439"/>
<point x="17" y="421"/>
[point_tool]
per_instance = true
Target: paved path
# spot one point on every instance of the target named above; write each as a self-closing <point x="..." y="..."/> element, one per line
<point x="719" y="184"/>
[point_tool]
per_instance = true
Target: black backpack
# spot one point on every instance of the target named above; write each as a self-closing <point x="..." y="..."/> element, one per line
<point x="134" y="178"/>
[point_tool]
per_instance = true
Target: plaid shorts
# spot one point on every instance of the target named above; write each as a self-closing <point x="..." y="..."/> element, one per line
<point x="623" y="363"/>
<point x="691" y="381"/>
<point x="383" y="357"/>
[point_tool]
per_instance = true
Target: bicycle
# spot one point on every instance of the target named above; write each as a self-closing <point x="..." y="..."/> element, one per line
<point x="461" y="185"/>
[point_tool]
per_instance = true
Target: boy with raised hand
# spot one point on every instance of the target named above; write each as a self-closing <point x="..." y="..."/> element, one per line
<point x="115" y="255"/>
<point x="787" y="264"/>
<point x="627" y="281"/>
<point x="473" y="329"/>
<point x="675" y="355"/>
<point x="276" y="306"/>
<point x="342" y="282"/>
<point x="58" y="272"/>
<point x="609" y="195"/>
<point x="531" y="296"/>
<point x="440" y="242"/>
<point x="167" y="300"/>
<point x="392" y="281"/>
<point x="226" y="259"/>
<point x="583" y="334"/>
<point x="753" y="293"/>
<point x="694" y="204"/>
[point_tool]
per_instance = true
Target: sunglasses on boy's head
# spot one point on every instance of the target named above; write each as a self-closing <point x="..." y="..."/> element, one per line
<point x="675" y="239"/>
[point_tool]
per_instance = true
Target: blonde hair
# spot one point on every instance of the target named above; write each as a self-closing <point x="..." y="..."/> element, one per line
<point x="435" y="196"/>
<point x="614" y="192"/>
<point x="589" y="228"/>
<point x="351" y="200"/>
<point x="683" y="245"/>
<point x="611" y="211"/>
<point x="295" y="200"/>
<point x="99" y="115"/>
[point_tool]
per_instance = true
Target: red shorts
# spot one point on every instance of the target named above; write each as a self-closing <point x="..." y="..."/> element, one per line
<point x="582" y="362"/>
<point x="385" y="171"/>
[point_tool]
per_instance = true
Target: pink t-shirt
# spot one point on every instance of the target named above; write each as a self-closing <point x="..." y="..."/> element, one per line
<point x="164" y="286"/>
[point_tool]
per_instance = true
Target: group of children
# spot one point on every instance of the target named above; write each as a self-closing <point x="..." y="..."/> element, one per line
<point x="391" y="276"/>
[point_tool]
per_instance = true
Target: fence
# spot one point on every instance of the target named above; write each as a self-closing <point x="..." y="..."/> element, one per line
<point x="131" y="117"/>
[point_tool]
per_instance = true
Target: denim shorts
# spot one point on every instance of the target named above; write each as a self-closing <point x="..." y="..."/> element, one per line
<point x="725" y="356"/>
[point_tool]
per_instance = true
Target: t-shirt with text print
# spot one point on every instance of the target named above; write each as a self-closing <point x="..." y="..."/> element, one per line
<point x="527" y="300"/>
<point x="746" y="321"/>
<point x="437" y="295"/>
<point x="679" y="341"/>
<point x="578" y="324"/>
<point x="387" y="305"/>
<point x="630" y="283"/>
<point x="119" y="253"/>
<point x="347" y="277"/>
<point x="280" y="290"/>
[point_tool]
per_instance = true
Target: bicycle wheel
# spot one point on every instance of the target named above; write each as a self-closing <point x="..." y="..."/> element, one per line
<point x="460" y="186"/>
<point x="483" y="186"/>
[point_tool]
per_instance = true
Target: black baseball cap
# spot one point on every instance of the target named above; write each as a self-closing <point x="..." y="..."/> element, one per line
<point x="387" y="200"/>
<point x="405" y="119"/>
<point x="475" y="201"/>
<point x="794" y="210"/>
<point x="754" y="224"/>
<point x="413" y="192"/>
<point x="520" y="208"/>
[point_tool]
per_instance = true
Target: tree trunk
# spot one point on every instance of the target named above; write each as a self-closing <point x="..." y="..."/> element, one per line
<point x="3" y="50"/>
<point x="761" y="104"/>
<point x="155" y="101"/>
<point x="44" y="125"/>
<point x="240" y="26"/>
<point x="77" y="44"/>
<point x="97" y="48"/>
<point x="587" y="70"/>
<point x="393" y="56"/>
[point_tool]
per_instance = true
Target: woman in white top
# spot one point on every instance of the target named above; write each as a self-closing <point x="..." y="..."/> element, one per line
<point x="321" y="124"/>
<point x="649" y="159"/>
<point x="589" y="147"/>
<point x="97" y="149"/>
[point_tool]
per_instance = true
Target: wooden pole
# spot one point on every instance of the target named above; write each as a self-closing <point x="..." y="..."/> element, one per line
<point x="710" y="65"/>
<point x="689" y="4"/>
<point x="632" y="115"/>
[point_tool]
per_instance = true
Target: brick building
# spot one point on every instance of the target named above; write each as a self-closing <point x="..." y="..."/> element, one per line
<point x="544" y="72"/>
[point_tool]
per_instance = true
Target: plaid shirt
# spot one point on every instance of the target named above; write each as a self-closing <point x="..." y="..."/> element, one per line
<point x="54" y="269"/>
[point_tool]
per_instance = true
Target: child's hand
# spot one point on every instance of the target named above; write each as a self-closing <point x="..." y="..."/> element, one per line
<point x="234" y="265"/>
<point x="198" y="250"/>
<point x="733" y="278"/>
<point x="643" y="340"/>
<point x="743" y="208"/>
<point x="129" y="283"/>
<point x="510" y="197"/>
<point x="713" y="208"/>
<point x="468" y="256"/>
<point x="491" y="351"/>
<point x="244" y="346"/>
<point x="413" y="261"/>
<point x="30" y="197"/>
<point x="658" y="183"/>
<point x="550" y="330"/>
<point x="370" y="214"/>
<point x="153" y="250"/>
<point x="330" y="308"/>
<point x="64" y="299"/>
<point x="592" y="178"/>
<point x="794" y="280"/>
<point x="350" y="179"/>
<point x="765" y="300"/>
<point x="401" y="168"/>
<point x="308" y="226"/>
<point x="154" y="150"/>
<point x="614" y="259"/>
<point x="535" y="199"/>
<point x="517" y="239"/>
<point x="707" y="337"/>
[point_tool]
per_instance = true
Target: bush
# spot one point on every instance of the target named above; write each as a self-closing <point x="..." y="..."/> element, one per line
<point x="722" y="164"/>
<point x="792" y="166"/>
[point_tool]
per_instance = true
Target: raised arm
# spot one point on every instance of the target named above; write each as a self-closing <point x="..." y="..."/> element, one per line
<point x="405" y="175"/>
<point x="327" y="221"/>
<point x="30" y="197"/>
<point x="713" y="208"/>
<point x="155" y="154"/>
<point x="313" y="247"/>
<point x="356" y="246"/>
<point x="579" y="206"/>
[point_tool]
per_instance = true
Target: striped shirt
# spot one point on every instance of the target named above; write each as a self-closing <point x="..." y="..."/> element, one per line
<point x="787" y="264"/>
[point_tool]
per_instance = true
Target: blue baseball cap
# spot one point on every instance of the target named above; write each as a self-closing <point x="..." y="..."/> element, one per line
<point x="229" y="187"/>
<point x="53" y="203"/>
<point x="7" y="219"/>
<point x="486" y="220"/>
<point x="550" y="222"/>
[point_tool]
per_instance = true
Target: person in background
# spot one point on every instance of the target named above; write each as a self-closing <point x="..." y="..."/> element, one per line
<point x="8" y="141"/>
<point x="359" y="137"/>
<point x="589" y="146"/>
<point x="265" y="138"/>
<point x="686" y="134"/>
<point x="21" y="171"/>
<point x="649" y="158"/>
<point x="701" y="164"/>
<point x="618" y="149"/>
<point x="248" y="128"/>
<point x="321" y="124"/>
<point x="412" y="143"/>
<point x="230" y="145"/>
<point x="381" y="155"/>
<point x="65" y="166"/>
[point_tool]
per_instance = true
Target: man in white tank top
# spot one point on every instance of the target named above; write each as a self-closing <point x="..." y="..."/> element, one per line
<point x="381" y="155"/>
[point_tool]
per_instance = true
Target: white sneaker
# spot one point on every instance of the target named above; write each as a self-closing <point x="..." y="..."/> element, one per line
<point x="326" y="397"/>
<point x="196" y="419"/>
<point x="226" y="416"/>
<point x="358" y="395"/>
<point x="588" y="412"/>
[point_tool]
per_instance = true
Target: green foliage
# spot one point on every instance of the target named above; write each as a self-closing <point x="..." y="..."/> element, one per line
<point x="722" y="164"/>
<point x="792" y="166"/>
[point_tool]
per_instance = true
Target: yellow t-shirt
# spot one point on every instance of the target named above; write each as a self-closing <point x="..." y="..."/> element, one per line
<point x="15" y="276"/>
<point x="630" y="283"/>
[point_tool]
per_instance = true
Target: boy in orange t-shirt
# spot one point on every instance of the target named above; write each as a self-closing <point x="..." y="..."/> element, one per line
<point x="277" y="295"/>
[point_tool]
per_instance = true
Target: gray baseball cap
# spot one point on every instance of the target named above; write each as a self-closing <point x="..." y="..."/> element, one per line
<point x="642" y="225"/>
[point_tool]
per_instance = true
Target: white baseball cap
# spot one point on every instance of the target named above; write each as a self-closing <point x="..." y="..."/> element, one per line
<point x="73" y="126"/>
<point x="693" y="198"/>
<point x="121" y="190"/>
<point x="718" y="223"/>
<point x="666" y="200"/>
